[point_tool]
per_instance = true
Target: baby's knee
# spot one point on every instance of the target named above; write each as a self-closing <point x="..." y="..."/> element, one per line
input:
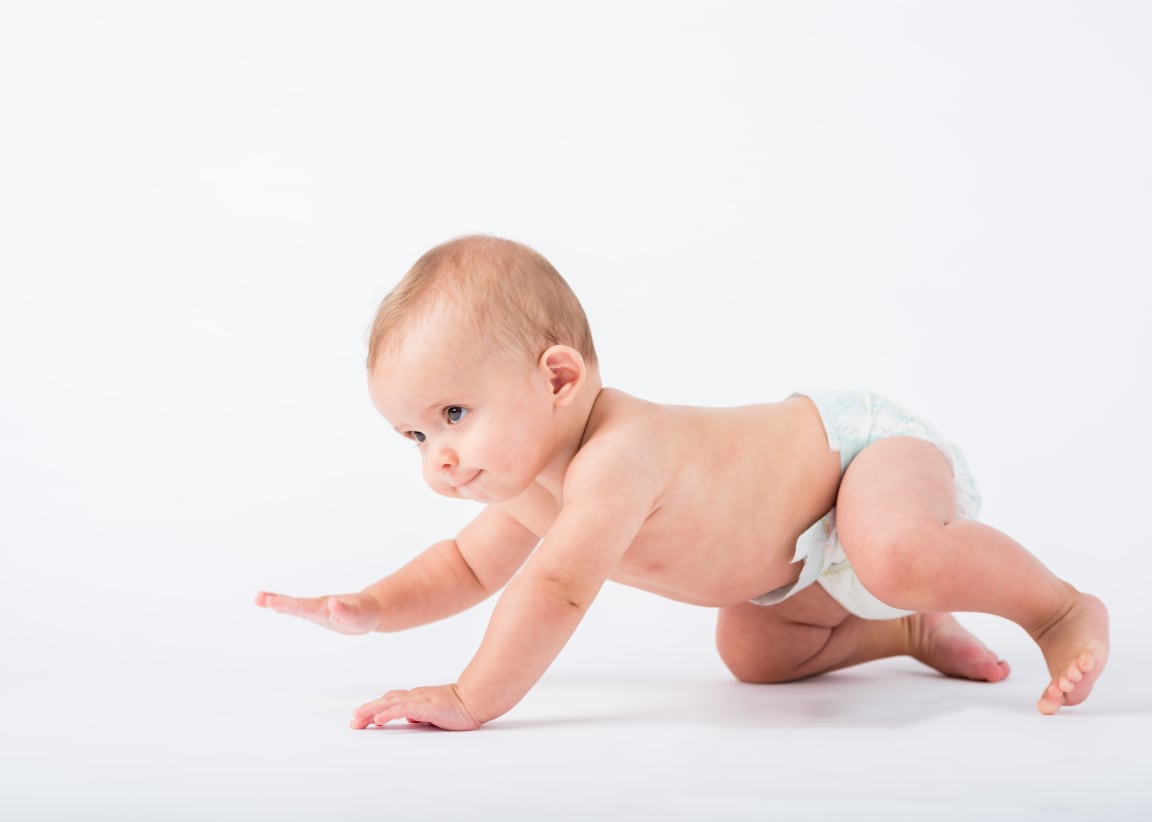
<point x="764" y="648"/>
<point x="888" y="560"/>
<point x="755" y="668"/>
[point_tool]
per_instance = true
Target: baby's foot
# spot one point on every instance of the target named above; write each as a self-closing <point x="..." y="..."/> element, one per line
<point x="941" y="642"/>
<point x="1075" y="646"/>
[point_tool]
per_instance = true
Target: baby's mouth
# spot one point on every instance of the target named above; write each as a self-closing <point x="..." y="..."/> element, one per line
<point x="461" y="486"/>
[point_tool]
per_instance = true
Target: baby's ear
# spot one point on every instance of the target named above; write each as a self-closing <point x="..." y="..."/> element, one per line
<point x="566" y="371"/>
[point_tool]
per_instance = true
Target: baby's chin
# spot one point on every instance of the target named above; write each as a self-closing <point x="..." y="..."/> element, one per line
<point x="470" y="491"/>
<point x="479" y="490"/>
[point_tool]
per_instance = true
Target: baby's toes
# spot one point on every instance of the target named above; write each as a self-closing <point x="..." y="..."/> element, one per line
<point x="1070" y="678"/>
<point x="1052" y="698"/>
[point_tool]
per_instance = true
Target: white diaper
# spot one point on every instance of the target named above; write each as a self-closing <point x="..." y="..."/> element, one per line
<point x="852" y="420"/>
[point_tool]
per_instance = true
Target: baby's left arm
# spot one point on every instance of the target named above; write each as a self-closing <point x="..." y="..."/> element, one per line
<point x="605" y="505"/>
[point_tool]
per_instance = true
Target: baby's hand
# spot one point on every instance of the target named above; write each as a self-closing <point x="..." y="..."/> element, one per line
<point x="347" y="613"/>
<point x="440" y="706"/>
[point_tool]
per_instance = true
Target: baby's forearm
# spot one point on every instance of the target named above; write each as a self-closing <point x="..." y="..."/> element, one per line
<point x="530" y="626"/>
<point x="436" y="584"/>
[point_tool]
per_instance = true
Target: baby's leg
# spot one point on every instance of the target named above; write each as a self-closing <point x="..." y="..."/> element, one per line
<point x="895" y="515"/>
<point x="810" y="633"/>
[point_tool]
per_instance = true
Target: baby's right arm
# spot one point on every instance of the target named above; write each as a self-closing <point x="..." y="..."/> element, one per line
<point x="447" y="578"/>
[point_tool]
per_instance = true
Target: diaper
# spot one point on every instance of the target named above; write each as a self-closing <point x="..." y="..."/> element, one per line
<point x="852" y="420"/>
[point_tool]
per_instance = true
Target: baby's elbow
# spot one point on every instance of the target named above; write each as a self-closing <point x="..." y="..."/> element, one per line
<point x="569" y="593"/>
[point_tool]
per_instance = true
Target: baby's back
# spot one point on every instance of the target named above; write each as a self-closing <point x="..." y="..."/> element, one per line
<point x="741" y="485"/>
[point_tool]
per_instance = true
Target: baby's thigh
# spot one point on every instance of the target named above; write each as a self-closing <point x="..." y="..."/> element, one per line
<point x="897" y="492"/>
<point x="771" y="643"/>
<point x="811" y="607"/>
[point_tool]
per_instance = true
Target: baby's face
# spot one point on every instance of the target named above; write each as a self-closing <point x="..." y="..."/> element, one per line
<point x="484" y="424"/>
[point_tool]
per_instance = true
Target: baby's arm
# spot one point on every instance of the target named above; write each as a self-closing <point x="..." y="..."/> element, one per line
<point x="449" y="577"/>
<point x="538" y="612"/>
<point x="542" y="607"/>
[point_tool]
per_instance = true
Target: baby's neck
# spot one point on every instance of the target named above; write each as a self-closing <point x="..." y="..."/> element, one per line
<point x="572" y="430"/>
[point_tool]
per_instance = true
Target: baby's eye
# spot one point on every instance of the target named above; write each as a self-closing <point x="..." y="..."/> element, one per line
<point x="455" y="413"/>
<point x="415" y="436"/>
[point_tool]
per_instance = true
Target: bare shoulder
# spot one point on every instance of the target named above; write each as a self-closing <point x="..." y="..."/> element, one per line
<point x="618" y="413"/>
<point x="659" y="443"/>
<point x="637" y="451"/>
<point x="624" y="451"/>
<point x="621" y="424"/>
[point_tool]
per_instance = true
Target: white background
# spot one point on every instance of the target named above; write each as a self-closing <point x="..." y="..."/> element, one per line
<point x="201" y="204"/>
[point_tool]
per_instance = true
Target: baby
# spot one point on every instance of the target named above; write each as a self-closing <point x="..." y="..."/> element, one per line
<point x="828" y="529"/>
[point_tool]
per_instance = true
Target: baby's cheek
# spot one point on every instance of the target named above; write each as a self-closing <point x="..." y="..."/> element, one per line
<point x="504" y="460"/>
<point x="431" y="480"/>
<point x="508" y="461"/>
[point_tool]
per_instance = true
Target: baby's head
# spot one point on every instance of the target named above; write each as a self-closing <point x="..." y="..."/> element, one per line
<point x="507" y="294"/>
<point x="482" y="356"/>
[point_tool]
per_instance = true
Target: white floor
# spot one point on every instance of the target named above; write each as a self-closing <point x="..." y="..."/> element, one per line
<point x="200" y="206"/>
<point x="242" y="715"/>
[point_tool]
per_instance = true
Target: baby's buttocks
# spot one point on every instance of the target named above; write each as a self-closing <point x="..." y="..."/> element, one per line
<point x="853" y="420"/>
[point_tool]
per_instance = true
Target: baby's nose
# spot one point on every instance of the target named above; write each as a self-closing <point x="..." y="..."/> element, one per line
<point x="446" y="460"/>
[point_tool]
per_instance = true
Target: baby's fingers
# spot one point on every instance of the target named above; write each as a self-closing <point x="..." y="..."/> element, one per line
<point x="366" y="714"/>
<point x="394" y="706"/>
<point x="277" y="602"/>
<point x="292" y="606"/>
<point x="327" y="611"/>
<point x="439" y="706"/>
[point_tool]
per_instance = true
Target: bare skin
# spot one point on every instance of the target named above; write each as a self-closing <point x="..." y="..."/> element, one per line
<point x="810" y="634"/>
<point x="584" y="484"/>
<point x="349" y="614"/>
<point x="916" y="555"/>
<point x="1075" y="646"/>
<point x="941" y="642"/>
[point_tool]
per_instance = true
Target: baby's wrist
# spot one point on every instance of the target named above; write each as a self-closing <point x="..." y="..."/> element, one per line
<point x="482" y="703"/>
<point x="467" y="706"/>
<point x="372" y="606"/>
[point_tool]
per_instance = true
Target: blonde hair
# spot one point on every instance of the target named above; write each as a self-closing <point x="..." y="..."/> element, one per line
<point x="508" y="292"/>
